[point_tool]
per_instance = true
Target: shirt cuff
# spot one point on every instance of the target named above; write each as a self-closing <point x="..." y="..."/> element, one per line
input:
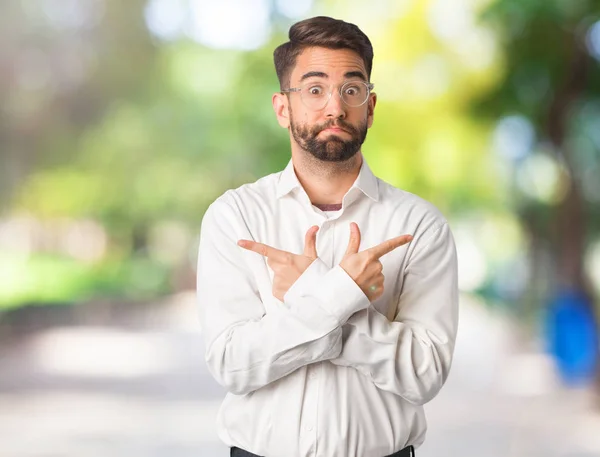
<point x="334" y="289"/>
<point x="315" y="272"/>
<point x="341" y="295"/>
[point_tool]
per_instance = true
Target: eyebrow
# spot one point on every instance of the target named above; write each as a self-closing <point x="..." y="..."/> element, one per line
<point x="355" y="74"/>
<point x="314" y="74"/>
<point x="320" y="74"/>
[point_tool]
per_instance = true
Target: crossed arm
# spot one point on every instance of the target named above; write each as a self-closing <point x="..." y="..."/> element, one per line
<point x="330" y="320"/>
<point x="411" y="355"/>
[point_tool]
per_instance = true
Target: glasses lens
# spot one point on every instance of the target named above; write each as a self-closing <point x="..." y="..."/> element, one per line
<point x="355" y="93"/>
<point x="315" y="95"/>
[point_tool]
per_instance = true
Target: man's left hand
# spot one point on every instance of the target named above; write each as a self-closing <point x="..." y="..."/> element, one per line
<point x="286" y="266"/>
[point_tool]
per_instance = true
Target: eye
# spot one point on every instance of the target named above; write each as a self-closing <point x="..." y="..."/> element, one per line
<point x="352" y="90"/>
<point x="315" y="90"/>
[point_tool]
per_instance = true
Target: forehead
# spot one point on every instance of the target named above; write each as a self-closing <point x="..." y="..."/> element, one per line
<point x="333" y="62"/>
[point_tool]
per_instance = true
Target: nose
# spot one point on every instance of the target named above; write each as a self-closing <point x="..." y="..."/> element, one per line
<point x="335" y="108"/>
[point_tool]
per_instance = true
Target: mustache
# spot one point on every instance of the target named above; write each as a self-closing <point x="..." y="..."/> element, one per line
<point x="336" y="124"/>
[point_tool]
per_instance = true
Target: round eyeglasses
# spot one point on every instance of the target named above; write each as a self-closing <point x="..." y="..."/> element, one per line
<point x="315" y="95"/>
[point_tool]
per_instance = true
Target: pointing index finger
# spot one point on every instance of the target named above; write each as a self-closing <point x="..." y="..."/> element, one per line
<point x="389" y="245"/>
<point x="260" y="248"/>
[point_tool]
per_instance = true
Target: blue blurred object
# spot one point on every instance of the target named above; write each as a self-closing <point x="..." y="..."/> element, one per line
<point x="572" y="336"/>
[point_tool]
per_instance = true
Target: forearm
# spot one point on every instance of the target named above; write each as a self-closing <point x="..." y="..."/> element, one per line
<point x="248" y="348"/>
<point x="407" y="360"/>
<point x="411" y="355"/>
<point x="251" y="355"/>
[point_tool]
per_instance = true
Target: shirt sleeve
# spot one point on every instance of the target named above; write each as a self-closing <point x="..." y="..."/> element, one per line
<point x="411" y="356"/>
<point x="246" y="347"/>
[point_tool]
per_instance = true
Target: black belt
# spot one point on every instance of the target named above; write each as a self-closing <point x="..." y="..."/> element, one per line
<point x="406" y="452"/>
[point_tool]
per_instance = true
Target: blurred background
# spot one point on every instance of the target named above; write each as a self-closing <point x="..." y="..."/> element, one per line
<point x="120" y="122"/>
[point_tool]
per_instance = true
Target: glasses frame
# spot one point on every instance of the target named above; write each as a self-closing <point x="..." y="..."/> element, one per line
<point x="369" y="86"/>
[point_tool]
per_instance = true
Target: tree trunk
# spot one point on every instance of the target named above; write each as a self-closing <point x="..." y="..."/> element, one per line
<point x="571" y="217"/>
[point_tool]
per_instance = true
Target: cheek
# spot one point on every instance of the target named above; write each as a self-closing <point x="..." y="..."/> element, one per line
<point x="299" y="115"/>
<point x="307" y="121"/>
<point x="309" y="118"/>
<point x="360" y="117"/>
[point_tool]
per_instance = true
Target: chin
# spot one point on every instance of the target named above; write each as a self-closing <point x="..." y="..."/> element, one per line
<point x="333" y="157"/>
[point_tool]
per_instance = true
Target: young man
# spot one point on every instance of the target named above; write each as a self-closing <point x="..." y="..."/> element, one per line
<point x="323" y="355"/>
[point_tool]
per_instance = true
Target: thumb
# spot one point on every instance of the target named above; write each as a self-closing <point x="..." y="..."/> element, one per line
<point x="310" y="242"/>
<point x="354" y="242"/>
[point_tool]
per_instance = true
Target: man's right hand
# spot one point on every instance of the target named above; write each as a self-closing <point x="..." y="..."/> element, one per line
<point x="364" y="267"/>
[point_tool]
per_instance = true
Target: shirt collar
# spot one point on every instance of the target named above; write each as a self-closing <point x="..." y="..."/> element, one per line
<point x="288" y="180"/>
<point x="366" y="181"/>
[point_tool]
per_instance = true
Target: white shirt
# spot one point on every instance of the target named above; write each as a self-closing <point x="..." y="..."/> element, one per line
<point x="325" y="373"/>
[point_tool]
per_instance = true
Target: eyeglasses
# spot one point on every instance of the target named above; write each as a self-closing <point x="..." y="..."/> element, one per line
<point x="316" y="95"/>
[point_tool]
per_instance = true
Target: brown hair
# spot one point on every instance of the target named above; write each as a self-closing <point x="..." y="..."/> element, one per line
<point x="324" y="32"/>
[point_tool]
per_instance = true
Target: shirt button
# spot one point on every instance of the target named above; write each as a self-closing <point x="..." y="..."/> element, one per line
<point x="313" y="375"/>
<point x="309" y="428"/>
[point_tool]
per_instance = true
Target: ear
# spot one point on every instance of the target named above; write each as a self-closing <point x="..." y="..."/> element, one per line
<point x="280" y="106"/>
<point x="371" y="108"/>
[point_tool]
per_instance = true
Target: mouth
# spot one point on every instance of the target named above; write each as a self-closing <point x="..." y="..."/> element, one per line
<point x="334" y="130"/>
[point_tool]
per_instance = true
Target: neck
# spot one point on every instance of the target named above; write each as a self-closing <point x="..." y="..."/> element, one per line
<point x="326" y="183"/>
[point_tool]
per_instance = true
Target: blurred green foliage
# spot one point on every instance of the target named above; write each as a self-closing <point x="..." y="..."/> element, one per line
<point x="112" y="124"/>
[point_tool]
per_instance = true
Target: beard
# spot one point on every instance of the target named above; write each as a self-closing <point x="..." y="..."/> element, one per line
<point x="332" y="148"/>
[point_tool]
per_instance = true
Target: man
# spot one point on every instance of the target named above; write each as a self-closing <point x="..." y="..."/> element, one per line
<point x="323" y="355"/>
